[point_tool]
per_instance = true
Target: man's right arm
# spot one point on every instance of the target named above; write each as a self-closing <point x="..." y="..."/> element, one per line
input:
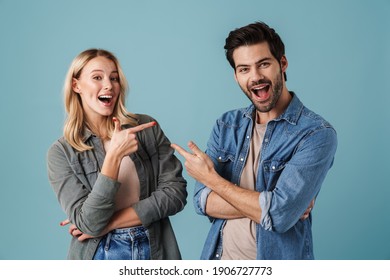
<point x="217" y="207"/>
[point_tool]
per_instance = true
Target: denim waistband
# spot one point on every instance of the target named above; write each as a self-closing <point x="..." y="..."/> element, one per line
<point x="129" y="229"/>
<point x="124" y="243"/>
<point x="132" y="232"/>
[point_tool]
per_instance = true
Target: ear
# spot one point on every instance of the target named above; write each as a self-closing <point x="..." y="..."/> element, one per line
<point x="75" y="85"/>
<point x="283" y="63"/>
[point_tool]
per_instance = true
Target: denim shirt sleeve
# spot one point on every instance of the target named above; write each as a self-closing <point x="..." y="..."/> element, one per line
<point x="202" y="192"/>
<point x="90" y="210"/>
<point x="299" y="182"/>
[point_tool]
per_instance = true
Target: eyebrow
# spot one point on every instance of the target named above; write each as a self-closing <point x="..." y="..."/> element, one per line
<point x="99" y="70"/>
<point x="257" y="62"/>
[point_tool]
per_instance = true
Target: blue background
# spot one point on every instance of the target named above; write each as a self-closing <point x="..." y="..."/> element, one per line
<point x="172" y="54"/>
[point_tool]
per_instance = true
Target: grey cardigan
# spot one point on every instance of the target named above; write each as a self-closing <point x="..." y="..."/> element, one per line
<point x="87" y="196"/>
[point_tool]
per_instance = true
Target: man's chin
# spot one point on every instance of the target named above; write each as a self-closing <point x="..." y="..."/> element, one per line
<point x="263" y="108"/>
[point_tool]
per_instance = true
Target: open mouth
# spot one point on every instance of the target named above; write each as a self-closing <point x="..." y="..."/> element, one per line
<point x="106" y="99"/>
<point x="261" y="91"/>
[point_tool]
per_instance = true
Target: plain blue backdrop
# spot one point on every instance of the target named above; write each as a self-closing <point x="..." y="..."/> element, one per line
<point x="172" y="54"/>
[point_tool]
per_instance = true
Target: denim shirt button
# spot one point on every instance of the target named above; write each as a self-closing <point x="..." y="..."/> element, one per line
<point x="217" y="255"/>
<point x="266" y="140"/>
<point x="242" y="159"/>
<point x="273" y="167"/>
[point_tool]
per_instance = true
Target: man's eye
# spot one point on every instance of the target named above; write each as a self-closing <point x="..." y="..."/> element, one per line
<point x="264" y="65"/>
<point x="243" y="70"/>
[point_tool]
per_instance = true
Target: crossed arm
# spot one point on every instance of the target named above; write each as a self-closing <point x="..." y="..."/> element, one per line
<point x="170" y="191"/>
<point x="226" y="200"/>
<point x="126" y="217"/>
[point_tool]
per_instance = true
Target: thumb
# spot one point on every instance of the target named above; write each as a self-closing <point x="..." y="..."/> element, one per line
<point x="117" y="124"/>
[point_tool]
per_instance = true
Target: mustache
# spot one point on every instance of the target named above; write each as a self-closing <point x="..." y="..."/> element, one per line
<point x="261" y="81"/>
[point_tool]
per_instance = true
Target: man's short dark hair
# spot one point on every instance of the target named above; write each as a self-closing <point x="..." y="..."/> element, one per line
<point x="252" y="34"/>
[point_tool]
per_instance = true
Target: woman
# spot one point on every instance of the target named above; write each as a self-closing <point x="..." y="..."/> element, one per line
<point x="114" y="173"/>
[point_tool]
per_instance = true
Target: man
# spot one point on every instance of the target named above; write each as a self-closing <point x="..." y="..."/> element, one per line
<point x="264" y="164"/>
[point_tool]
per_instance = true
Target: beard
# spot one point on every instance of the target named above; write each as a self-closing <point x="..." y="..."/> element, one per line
<point x="276" y="88"/>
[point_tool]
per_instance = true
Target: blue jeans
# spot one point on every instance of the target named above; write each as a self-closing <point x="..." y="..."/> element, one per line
<point x="124" y="244"/>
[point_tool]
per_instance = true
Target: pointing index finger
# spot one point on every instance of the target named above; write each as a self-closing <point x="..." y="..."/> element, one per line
<point x="181" y="151"/>
<point x="142" y="127"/>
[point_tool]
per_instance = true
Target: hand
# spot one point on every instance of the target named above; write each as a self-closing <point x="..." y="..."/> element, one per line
<point x="124" y="142"/>
<point x="308" y="210"/>
<point x="198" y="164"/>
<point x="74" y="231"/>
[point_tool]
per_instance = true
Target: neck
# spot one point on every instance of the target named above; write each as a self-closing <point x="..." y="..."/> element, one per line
<point x="98" y="127"/>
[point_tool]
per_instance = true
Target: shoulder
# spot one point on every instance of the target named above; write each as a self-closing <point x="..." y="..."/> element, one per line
<point x="61" y="150"/>
<point x="154" y="133"/>
<point x="143" y="118"/>
<point x="57" y="156"/>
<point x="316" y="130"/>
<point x="304" y="118"/>
<point x="57" y="146"/>
<point x="314" y="120"/>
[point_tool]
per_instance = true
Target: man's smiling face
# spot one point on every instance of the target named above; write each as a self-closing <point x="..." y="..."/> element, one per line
<point x="259" y="75"/>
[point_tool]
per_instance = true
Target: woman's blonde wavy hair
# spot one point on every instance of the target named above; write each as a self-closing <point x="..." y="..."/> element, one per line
<point x="75" y="123"/>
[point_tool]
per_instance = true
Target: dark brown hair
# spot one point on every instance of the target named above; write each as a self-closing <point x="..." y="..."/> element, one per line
<point x="251" y="34"/>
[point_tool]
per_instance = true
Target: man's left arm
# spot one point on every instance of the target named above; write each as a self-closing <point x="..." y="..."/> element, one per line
<point x="300" y="181"/>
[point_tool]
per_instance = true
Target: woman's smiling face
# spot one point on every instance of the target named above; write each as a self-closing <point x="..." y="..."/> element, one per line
<point x="98" y="87"/>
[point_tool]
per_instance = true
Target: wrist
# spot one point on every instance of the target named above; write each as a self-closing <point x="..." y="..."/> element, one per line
<point x="111" y="165"/>
<point x="212" y="180"/>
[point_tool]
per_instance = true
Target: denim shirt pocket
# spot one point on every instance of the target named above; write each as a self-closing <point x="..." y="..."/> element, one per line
<point x="272" y="170"/>
<point x="86" y="171"/>
<point x="225" y="163"/>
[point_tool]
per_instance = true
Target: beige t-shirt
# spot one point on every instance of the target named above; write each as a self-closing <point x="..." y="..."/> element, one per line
<point x="129" y="190"/>
<point x="239" y="235"/>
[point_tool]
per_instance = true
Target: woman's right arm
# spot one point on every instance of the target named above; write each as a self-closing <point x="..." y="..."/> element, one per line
<point x="89" y="210"/>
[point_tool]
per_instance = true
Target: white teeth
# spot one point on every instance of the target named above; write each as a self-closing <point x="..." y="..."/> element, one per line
<point x="105" y="96"/>
<point x="259" y="88"/>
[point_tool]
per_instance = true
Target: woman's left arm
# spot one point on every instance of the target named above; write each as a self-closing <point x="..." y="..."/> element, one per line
<point x="170" y="194"/>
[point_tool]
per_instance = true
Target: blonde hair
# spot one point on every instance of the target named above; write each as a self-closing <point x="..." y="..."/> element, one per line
<point x="75" y="123"/>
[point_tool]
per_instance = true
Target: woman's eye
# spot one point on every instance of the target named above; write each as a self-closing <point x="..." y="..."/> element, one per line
<point x="115" y="79"/>
<point x="98" y="78"/>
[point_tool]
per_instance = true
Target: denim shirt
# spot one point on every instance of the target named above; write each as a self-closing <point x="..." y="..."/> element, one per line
<point x="87" y="196"/>
<point x="298" y="150"/>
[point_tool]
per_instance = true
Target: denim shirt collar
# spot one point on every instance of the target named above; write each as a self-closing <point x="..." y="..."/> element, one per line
<point x="292" y="113"/>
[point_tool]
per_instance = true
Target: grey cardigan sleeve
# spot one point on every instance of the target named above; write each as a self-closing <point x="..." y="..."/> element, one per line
<point x="168" y="192"/>
<point x="89" y="208"/>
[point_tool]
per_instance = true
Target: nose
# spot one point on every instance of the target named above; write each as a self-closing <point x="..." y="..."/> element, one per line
<point x="107" y="84"/>
<point x="256" y="75"/>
